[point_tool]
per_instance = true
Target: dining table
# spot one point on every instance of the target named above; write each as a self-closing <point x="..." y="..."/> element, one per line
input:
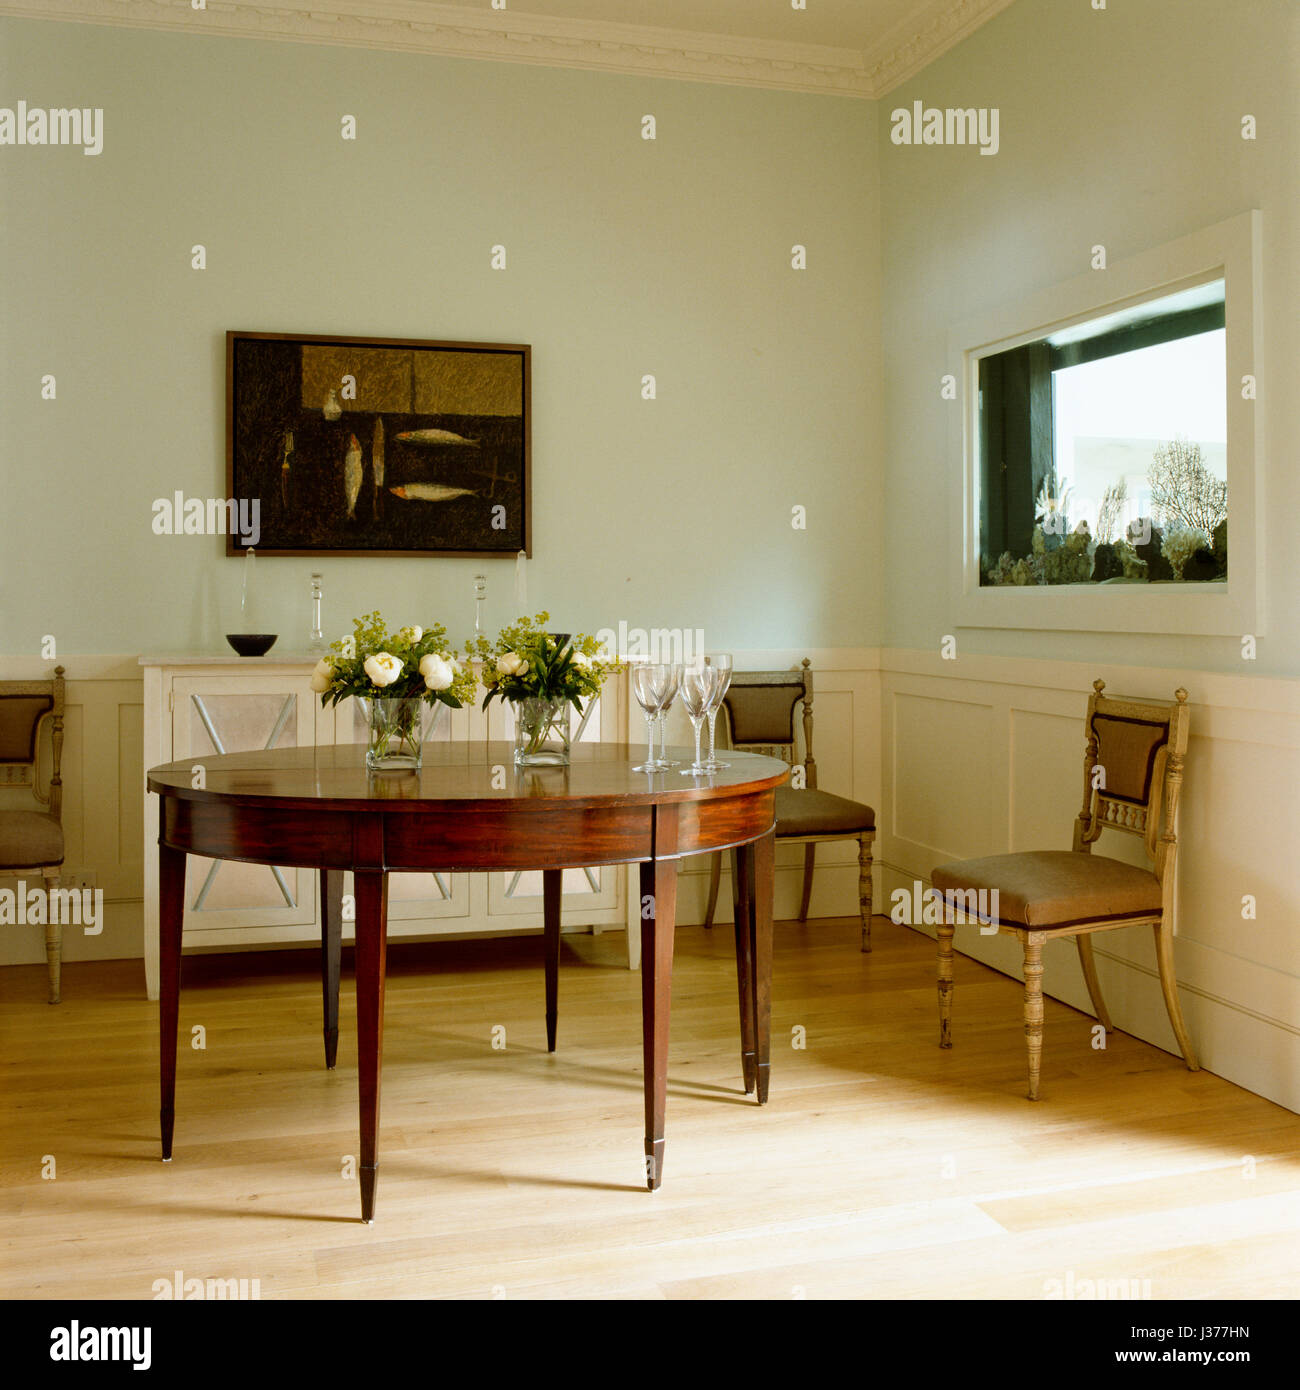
<point x="470" y="808"/>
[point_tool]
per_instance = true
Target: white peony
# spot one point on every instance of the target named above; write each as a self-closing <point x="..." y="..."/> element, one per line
<point x="437" y="673"/>
<point x="349" y="648"/>
<point x="321" y="676"/>
<point x="383" y="668"/>
<point x="581" y="660"/>
<point x="512" y="664"/>
<point x="411" y="634"/>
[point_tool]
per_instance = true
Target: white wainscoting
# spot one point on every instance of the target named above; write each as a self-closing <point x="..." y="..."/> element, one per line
<point x="984" y="756"/>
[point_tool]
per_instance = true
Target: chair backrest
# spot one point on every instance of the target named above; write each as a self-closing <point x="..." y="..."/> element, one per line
<point x="24" y="706"/>
<point x="1133" y="772"/>
<point x="761" y="707"/>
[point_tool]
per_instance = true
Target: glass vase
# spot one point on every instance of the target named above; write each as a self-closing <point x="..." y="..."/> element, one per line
<point x="395" y="733"/>
<point x="541" y="733"/>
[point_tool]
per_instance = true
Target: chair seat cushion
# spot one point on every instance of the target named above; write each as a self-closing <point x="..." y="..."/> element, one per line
<point x="1046" y="889"/>
<point x="29" y="839"/>
<point x="806" y="811"/>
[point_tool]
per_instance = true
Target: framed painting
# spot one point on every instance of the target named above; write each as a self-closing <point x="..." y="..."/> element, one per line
<point x="379" y="446"/>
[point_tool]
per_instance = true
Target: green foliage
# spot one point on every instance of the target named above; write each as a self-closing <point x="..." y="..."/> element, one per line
<point x="526" y="662"/>
<point x="344" y="670"/>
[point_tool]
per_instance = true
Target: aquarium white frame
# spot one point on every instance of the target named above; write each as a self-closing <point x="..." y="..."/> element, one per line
<point x="1229" y="250"/>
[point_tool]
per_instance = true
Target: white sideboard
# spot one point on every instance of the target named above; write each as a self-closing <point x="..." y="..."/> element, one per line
<point x="197" y="706"/>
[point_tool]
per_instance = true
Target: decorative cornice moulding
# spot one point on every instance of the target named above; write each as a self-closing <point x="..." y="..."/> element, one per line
<point x="918" y="41"/>
<point x="505" y="36"/>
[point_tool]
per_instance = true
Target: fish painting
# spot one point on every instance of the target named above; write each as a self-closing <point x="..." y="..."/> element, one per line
<point x="430" y="492"/>
<point x="284" y="468"/>
<point x="352" y="470"/>
<point x="436" y="437"/>
<point x="377" y="463"/>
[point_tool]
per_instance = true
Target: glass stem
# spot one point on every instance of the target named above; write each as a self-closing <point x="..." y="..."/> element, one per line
<point x="698" y="723"/>
<point x="713" y="719"/>
<point x="650" y="736"/>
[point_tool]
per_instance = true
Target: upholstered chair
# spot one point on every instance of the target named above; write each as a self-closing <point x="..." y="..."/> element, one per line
<point x="760" y="716"/>
<point x="31" y="842"/>
<point x="1132" y="780"/>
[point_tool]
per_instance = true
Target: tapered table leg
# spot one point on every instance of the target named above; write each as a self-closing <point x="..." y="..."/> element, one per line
<point x="741" y="899"/>
<point x="764" y="873"/>
<point x="331" y="950"/>
<point x="552" y="883"/>
<point x="371" y="953"/>
<point x="171" y="923"/>
<point x="658" y="916"/>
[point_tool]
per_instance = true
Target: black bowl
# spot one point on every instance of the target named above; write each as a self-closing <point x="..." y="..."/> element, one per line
<point x="252" y="643"/>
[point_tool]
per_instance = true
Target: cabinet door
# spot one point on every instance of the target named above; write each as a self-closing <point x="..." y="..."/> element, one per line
<point x="214" y="714"/>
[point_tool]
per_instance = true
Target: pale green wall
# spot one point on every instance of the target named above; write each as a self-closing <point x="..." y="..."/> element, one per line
<point x="625" y="257"/>
<point x="1120" y="127"/>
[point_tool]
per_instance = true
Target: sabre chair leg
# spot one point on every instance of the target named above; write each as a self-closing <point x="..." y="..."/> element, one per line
<point x="864" y="888"/>
<point x="1034" y="1007"/>
<point x="1164" y="936"/>
<point x="715" y="877"/>
<point x="1089" y="965"/>
<point x="945" y="932"/>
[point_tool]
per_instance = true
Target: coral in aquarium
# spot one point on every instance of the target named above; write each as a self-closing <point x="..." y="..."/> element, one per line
<point x="1180" y="543"/>
<point x="1183" y="490"/>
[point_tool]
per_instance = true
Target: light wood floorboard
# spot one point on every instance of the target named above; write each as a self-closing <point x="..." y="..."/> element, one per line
<point x="882" y="1166"/>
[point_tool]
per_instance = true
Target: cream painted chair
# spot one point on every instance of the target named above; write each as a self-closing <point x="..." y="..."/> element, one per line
<point x="31" y="842"/>
<point x="1132" y="778"/>
<point x="760" y="708"/>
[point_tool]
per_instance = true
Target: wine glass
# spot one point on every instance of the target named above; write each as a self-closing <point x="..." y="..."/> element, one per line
<point x="650" y="684"/>
<point x="721" y="664"/>
<point x="674" y="685"/>
<point x="696" y="693"/>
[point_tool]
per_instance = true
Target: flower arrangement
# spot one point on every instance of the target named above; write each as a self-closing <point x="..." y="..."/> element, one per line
<point x="540" y="673"/>
<point x="528" y="663"/>
<point x="392" y="675"/>
<point x="411" y="663"/>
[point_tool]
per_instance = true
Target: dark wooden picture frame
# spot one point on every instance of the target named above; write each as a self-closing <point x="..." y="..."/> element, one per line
<point x="380" y="446"/>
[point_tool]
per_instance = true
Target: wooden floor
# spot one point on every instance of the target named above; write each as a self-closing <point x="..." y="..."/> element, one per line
<point x="882" y="1167"/>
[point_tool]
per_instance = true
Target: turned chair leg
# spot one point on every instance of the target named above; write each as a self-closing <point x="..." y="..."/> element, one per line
<point x="945" y="933"/>
<point x="1034" y="1006"/>
<point x="1084" y="943"/>
<point x="53" y="944"/>
<point x="1164" y="935"/>
<point x="809" y="864"/>
<point x="715" y="877"/>
<point x="864" y="888"/>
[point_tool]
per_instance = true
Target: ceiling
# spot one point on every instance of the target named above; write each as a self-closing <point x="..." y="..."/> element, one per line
<point x="858" y="48"/>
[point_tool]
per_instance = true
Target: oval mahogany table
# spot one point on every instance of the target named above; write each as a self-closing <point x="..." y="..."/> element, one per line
<point x="471" y="809"/>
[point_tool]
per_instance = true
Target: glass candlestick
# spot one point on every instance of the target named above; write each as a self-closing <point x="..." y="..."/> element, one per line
<point x="480" y="593"/>
<point x="316" y="642"/>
